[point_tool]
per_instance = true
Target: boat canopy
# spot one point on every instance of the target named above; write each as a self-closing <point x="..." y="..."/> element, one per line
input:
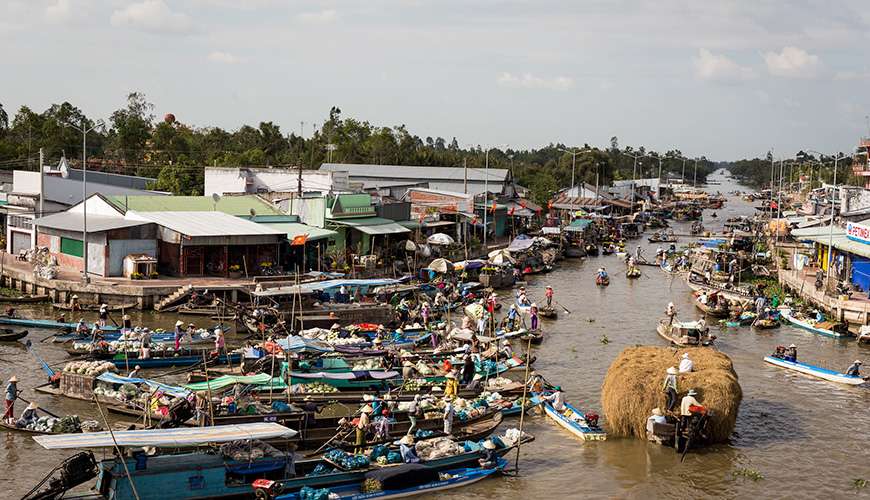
<point x="377" y="375"/>
<point x="172" y="390"/>
<point x="261" y="379"/>
<point x="166" y="438"/>
<point x="296" y="343"/>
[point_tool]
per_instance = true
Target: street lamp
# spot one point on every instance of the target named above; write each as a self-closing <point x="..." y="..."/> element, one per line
<point x="633" y="174"/>
<point x="574" y="153"/>
<point x="84" y="129"/>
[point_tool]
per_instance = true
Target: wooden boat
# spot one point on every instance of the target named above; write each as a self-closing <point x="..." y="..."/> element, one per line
<point x="163" y="362"/>
<point x="734" y="293"/>
<point x="548" y="312"/>
<point x="592" y="250"/>
<point x="575" y="252"/>
<point x="602" y="281"/>
<point x="13" y="428"/>
<point x="815" y="371"/>
<point x="24" y="299"/>
<point x="720" y="310"/>
<point x="684" y="334"/>
<point x="575" y="422"/>
<point x="633" y="273"/>
<point x="826" y="328"/>
<point x="406" y="480"/>
<point x="50" y="324"/>
<point x="65" y="306"/>
<point x="535" y="336"/>
<point x="765" y="324"/>
<point x="469" y="430"/>
<point x="9" y="335"/>
<point x="659" y="238"/>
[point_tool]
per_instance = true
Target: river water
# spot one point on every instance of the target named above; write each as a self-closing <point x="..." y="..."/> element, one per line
<point x="806" y="437"/>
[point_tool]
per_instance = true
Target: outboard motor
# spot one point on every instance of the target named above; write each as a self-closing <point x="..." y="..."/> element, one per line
<point x="74" y="471"/>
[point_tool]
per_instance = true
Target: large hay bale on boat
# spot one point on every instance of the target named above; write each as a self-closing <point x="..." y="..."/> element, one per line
<point x="633" y="387"/>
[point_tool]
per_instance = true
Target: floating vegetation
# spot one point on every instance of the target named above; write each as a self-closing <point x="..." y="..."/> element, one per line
<point x="859" y="484"/>
<point x="748" y="473"/>
<point x="604" y="340"/>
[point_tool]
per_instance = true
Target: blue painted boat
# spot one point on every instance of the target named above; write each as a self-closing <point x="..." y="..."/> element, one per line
<point x="120" y="362"/>
<point x="410" y="480"/>
<point x="575" y="422"/>
<point x="50" y="324"/>
<point x="810" y="325"/>
<point x="816" y="371"/>
<point x="184" y="476"/>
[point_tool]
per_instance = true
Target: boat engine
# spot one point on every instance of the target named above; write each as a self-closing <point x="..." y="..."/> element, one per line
<point x="264" y="489"/>
<point x="74" y="471"/>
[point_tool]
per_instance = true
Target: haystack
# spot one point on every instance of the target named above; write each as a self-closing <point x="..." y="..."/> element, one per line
<point x="633" y="387"/>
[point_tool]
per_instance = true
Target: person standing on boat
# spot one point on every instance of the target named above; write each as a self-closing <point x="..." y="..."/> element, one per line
<point x="791" y="353"/>
<point x="145" y="343"/>
<point x="362" y="426"/>
<point x="512" y="317"/>
<point x="103" y="315"/>
<point x="449" y="413"/>
<point x="686" y="404"/>
<point x="855" y="369"/>
<point x="126" y="324"/>
<point x="219" y="341"/>
<point x="415" y="411"/>
<point x="759" y="305"/>
<point x="670" y="387"/>
<point x="178" y="334"/>
<point x="11" y="396"/>
<point x="451" y="385"/>
<point x="549" y="295"/>
<point x="424" y="313"/>
<point x="686" y="363"/>
<point x="671" y="312"/>
<point x="533" y="314"/>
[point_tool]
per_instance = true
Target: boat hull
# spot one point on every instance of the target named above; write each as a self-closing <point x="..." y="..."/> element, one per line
<point x="786" y="314"/>
<point x="576" y="428"/>
<point x="815" y="371"/>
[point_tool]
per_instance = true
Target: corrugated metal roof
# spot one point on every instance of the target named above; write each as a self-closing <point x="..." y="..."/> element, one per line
<point x="232" y="205"/>
<point x="69" y="191"/>
<point x="372" y="225"/>
<point x="166" y="438"/>
<point x="205" y="223"/>
<point x="73" y="221"/>
<point x="396" y="172"/>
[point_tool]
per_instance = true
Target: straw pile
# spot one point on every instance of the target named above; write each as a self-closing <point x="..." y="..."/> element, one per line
<point x="633" y="387"/>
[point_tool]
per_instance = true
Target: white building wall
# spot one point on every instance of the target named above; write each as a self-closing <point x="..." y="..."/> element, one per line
<point x="233" y="180"/>
<point x="25" y="182"/>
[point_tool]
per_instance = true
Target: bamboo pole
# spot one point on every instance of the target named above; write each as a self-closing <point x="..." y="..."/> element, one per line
<point x="117" y="448"/>
<point x="208" y="388"/>
<point x="523" y="401"/>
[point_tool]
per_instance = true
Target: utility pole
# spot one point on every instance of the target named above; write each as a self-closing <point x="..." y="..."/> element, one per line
<point x="633" y="175"/>
<point x="84" y="129"/>
<point x="779" y="203"/>
<point x="695" y="176"/>
<point x="299" y="182"/>
<point x="465" y="179"/>
<point x="574" y="153"/>
<point x="41" y="197"/>
<point x="683" y="175"/>
<point x="485" y="199"/>
<point x="597" y="171"/>
<point x="831" y="227"/>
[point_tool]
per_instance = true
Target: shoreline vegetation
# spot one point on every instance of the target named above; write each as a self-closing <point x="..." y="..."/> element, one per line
<point x="173" y="151"/>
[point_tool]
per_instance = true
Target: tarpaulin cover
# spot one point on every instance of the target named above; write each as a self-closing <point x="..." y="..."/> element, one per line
<point x="166" y="438"/>
<point x="378" y="375"/>
<point x="520" y="244"/>
<point x="298" y="344"/>
<point x="172" y="390"/>
<point x="228" y="380"/>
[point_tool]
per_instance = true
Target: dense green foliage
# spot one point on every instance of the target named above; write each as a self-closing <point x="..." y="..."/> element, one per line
<point x="758" y="172"/>
<point x="133" y="141"/>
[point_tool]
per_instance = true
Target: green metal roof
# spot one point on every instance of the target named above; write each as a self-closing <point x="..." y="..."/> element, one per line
<point x="232" y="205"/>
<point x="296" y="229"/>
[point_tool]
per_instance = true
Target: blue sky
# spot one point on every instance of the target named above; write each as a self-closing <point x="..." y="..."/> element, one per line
<point x="722" y="79"/>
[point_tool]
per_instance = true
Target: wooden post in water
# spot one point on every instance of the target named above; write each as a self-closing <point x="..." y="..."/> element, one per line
<point x="523" y="401"/>
<point x="208" y="388"/>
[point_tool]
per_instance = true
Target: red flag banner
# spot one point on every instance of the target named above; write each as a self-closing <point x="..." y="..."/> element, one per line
<point x="299" y="240"/>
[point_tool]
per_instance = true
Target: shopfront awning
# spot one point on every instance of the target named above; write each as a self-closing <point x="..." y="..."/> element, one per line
<point x="372" y="225"/>
<point x="295" y="229"/>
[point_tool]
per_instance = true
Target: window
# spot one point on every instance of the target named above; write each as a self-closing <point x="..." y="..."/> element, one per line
<point x="21" y="222"/>
<point x="72" y="247"/>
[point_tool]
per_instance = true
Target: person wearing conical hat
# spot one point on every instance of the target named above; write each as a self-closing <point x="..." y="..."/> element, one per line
<point x="362" y="426"/>
<point x="126" y="324"/>
<point x="103" y="315"/>
<point x="178" y="334"/>
<point x="657" y="417"/>
<point x="406" y="448"/>
<point x="29" y="415"/>
<point x="11" y="395"/>
<point x="490" y="456"/>
<point x="855" y="369"/>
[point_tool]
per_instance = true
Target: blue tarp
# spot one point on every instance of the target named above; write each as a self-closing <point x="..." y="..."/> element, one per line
<point x="172" y="390"/>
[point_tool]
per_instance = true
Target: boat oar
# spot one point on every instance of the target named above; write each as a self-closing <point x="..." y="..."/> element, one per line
<point x="47" y="369"/>
<point x="324" y="445"/>
<point x="40" y="409"/>
<point x="563" y="307"/>
<point x="113" y="319"/>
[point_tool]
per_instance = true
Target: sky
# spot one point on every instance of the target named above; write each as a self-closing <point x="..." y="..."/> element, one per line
<point x="724" y="79"/>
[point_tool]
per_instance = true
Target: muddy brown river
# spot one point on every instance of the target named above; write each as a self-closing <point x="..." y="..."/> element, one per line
<point x="807" y="438"/>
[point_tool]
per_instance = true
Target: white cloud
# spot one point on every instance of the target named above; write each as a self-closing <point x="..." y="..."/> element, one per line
<point x="530" y="81"/>
<point x="59" y="11"/>
<point x="223" y="57"/>
<point x="852" y="75"/>
<point x="792" y="62"/>
<point x="321" y="16"/>
<point x="152" y="16"/>
<point x="710" y="66"/>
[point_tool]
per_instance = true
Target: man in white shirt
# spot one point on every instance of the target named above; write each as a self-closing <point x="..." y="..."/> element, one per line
<point x="686" y="364"/>
<point x="656" y="418"/>
<point x="557" y="399"/>
<point x="688" y="400"/>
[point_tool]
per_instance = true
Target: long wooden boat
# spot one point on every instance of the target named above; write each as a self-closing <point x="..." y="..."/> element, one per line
<point x="470" y="430"/>
<point x="605" y="281"/>
<point x="575" y="422"/>
<point x="9" y="335"/>
<point x="50" y="324"/>
<point x="13" y="428"/>
<point x="163" y="362"/>
<point x="738" y="294"/>
<point x="812" y="326"/>
<point x="415" y="479"/>
<point x="816" y="371"/>
<point x="66" y="306"/>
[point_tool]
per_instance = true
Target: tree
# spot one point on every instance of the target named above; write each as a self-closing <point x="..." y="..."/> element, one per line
<point x="4" y="119"/>
<point x="132" y="127"/>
